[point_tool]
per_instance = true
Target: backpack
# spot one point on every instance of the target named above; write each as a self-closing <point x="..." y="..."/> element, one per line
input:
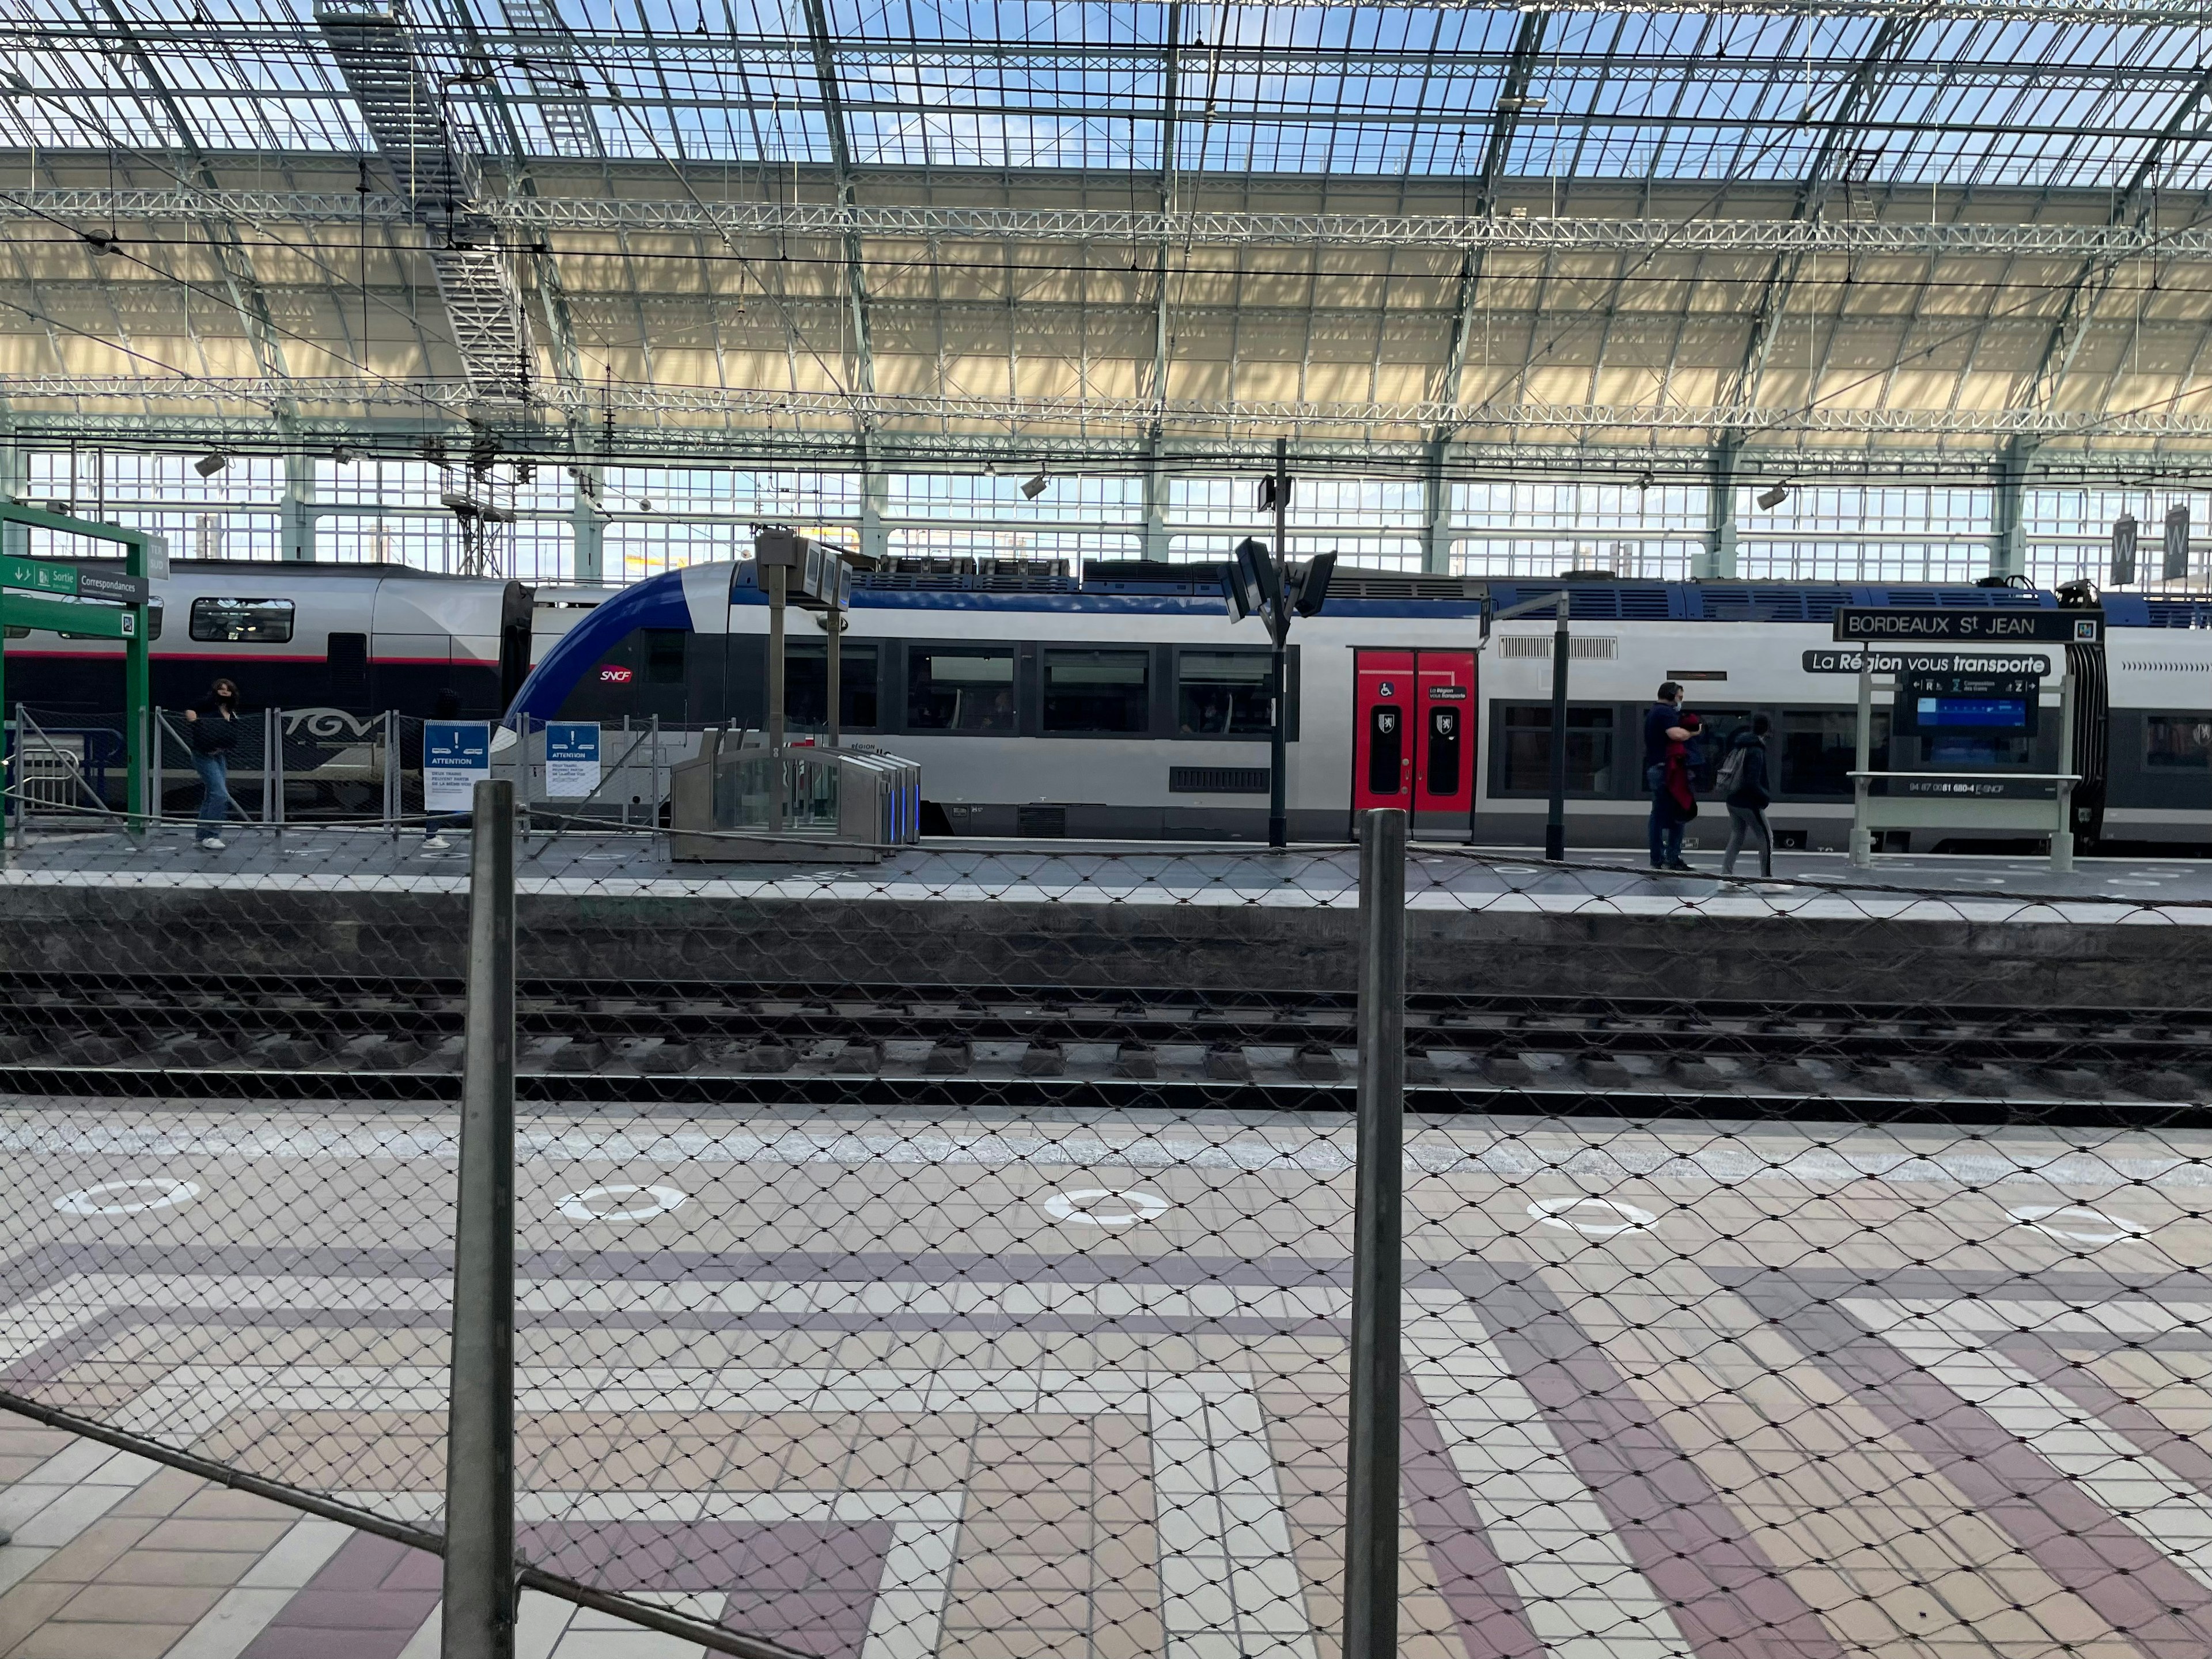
<point x="1730" y="778"/>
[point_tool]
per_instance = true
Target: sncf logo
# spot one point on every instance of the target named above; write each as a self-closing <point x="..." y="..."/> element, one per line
<point x="613" y="676"/>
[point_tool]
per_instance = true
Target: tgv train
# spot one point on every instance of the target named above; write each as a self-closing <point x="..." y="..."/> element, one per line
<point x="363" y="638"/>
<point x="1127" y="704"/>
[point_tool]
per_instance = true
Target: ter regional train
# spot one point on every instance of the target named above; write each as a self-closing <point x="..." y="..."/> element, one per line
<point x="1128" y="705"/>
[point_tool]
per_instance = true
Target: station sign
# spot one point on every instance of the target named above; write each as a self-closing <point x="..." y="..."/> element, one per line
<point x="1895" y="625"/>
<point x="72" y="582"/>
<point x="456" y="757"/>
<point x="572" y="759"/>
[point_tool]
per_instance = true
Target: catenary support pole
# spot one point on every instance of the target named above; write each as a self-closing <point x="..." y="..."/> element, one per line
<point x="480" y="1579"/>
<point x="1370" y="1533"/>
<point x="1279" y="691"/>
<point x="1555" y="821"/>
<point x="776" y="576"/>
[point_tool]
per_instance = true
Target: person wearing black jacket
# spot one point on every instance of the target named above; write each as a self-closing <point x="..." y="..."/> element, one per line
<point x="1748" y="797"/>
<point x="212" y="725"/>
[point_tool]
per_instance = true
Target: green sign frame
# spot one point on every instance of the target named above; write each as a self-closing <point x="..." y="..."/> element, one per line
<point x="27" y="587"/>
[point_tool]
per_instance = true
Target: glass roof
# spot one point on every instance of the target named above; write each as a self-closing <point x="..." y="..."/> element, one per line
<point x="1949" y="93"/>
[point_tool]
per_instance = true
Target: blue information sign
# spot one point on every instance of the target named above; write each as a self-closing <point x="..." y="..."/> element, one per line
<point x="456" y="757"/>
<point x="572" y="759"/>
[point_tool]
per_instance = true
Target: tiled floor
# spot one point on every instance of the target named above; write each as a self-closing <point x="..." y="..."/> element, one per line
<point x="898" y="1388"/>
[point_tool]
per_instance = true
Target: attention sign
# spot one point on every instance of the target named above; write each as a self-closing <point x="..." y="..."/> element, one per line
<point x="1861" y="625"/>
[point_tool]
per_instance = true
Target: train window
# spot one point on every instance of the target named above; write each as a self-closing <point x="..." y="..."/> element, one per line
<point x="1526" y="751"/>
<point x="1820" y="747"/>
<point x="1097" y="690"/>
<point x="2177" y="740"/>
<point x="664" y="655"/>
<point x="242" y="622"/>
<point x="807" y="676"/>
<point x="1222" y="694"/>
<point x="960" y="688"/>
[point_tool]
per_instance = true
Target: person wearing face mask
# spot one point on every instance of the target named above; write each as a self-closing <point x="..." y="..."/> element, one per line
<point x="211" y="723"/>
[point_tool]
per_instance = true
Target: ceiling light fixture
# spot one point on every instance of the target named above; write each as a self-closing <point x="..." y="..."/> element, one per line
<point x="208" y="466"/>
<point x="1774" y="494"/>
<point x="1034" y="487"/>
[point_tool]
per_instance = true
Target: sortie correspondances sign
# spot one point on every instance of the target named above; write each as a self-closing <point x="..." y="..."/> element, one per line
<point x="71" y="580"/>
<point x="1857" y="625"/>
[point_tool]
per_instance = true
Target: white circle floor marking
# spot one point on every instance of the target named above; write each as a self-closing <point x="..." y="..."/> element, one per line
<point x="1078" y="1207"/>
<point x="1555" y="1213"/>
<point x="577" y="1206"/>
<point x="165" y="1194"/>
<point x="2076" y="1224"/>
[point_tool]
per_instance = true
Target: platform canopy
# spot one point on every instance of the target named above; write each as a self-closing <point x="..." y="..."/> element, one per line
<point x="943" y="231"/>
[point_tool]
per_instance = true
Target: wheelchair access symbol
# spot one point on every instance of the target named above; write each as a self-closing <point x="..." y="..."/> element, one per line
<point x="1388" y="689"/>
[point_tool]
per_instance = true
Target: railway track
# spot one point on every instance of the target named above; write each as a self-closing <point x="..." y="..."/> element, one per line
<point x="981" y="1047"/>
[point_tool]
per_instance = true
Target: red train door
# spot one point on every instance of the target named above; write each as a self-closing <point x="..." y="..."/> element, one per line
<point x="1383" y="699"/>
<point x="1443" y="744"/>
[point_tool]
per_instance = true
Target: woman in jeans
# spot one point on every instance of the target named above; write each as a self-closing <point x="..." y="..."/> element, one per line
<point x="1748" y="800"/>
<point x="212" y="725"/>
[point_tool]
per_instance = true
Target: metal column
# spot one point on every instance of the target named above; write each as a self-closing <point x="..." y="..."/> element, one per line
<point x="1555" y="820"/>
<point x="480" y="1577"/>
<point x="777" y="576"/>
<point x="1371" y="1518"/>
<point x="1278" y="628"/>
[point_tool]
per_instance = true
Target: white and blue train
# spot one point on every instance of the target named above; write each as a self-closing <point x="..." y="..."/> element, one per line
<point x="1128" y="705"/>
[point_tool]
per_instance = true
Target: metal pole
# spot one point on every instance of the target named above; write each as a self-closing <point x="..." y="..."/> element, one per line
<point x="1371" y="1518"/>
<point x="268" y="750"/>
<point x="1861" y="786"/>
<point x="775" y="594"/>
<point x="1555" y="824"/>
<point x="391" y="772"/>
<point x="2062" y="833"/>
<point x="479" y="1604"/>
<point x="276" y="771"/>
<point x="138" y="692"/>
<point x="835" y="669"/>
<point x="1278" y="627"/>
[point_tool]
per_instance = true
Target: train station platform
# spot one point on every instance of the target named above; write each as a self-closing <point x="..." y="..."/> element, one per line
<point x="937" y="1388"/>
<point x="1980" y="932"/>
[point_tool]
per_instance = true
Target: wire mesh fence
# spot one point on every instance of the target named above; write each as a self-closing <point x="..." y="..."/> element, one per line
<point x="955" y="1254"/>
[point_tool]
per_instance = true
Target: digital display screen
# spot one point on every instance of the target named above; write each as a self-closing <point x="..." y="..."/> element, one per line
<point x="1978" y="714"/>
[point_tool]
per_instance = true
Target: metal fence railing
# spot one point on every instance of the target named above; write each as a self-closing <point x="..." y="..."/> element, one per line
<point x="1191" y="1252"/>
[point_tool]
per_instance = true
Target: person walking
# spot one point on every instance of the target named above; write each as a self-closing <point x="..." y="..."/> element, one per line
<point x="211" y="723"/>
<point x="1743" y="783"/>
<point x="1664" y="730"/>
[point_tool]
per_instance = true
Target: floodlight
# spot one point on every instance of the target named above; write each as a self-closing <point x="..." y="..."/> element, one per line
<point x="208" y="466"/>
<point x="1034" y="487"/>
<point x="1774" y="494"/>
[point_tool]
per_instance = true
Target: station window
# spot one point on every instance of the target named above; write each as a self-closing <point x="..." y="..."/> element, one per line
<point x="2173" y="741"/>
<point x="664" y="655"/>
<point x="806" y="676"/>
<point x="960" y="688"/>
<point x="1820" y="748"/>
<point x="1096" y="690"/>
<point x="1222" y="694"/>
<point x="242" y="622"/>
<point x="1525" y="763"/>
